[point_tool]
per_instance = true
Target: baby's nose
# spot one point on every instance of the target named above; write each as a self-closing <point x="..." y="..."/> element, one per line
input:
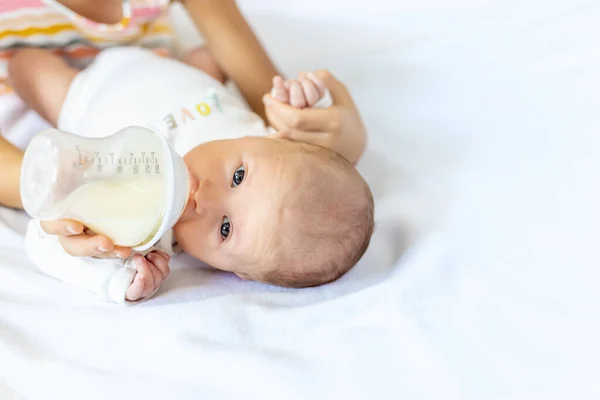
<point x="208" y="198"/>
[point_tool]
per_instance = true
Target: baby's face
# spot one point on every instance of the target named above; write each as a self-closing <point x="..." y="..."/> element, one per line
<point x="236" y="202"/>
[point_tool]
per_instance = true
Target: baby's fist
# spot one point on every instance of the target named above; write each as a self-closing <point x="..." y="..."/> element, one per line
<point x="151" y="271"/>
<point x="303" y="92"/>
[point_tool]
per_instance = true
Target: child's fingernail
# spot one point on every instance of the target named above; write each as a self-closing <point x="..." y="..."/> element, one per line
<point x="71" y="230"/>
<point x="102" y="249"/>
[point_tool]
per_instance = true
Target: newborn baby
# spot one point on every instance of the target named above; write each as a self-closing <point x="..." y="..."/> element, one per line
<point x="263" y="207"/>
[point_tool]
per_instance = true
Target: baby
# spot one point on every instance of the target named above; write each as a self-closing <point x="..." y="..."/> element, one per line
<point x="263" y="207"/>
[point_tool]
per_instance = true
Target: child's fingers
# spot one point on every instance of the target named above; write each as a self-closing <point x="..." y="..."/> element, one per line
<point x="117" y="251"/>
<point x="279" y="91"/>
<point x="79" y="241"/>
<point x="62" y="227"/>
<point x="283" y="117"/>
<point x="86" y="246"/>
<point x="340" y="94"/>
<point x="121" y="252"/>
<point x="274" y="119"/>
<point x="297" y="98"/>
<point x="310" y="92"/>
<point x="317" y="138"/>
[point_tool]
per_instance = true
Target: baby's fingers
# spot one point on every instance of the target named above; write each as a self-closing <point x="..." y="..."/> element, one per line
<point x="297" y="98"/>
<point x="318" y="83"/>
<point x="159" y="268"/>
<point x="143" y="283"/>
<point x="134" y="291"/>
<point x="279" y="91"/>
<point x="311" y="93"/>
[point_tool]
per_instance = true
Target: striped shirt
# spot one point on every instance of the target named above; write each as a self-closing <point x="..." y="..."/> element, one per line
<point x="50" y="25"/>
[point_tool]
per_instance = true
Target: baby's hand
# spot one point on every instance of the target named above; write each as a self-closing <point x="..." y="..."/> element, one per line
<point x="303" y="92"/>
<point x="151" y="271"/>
<point x="338" y="127"/>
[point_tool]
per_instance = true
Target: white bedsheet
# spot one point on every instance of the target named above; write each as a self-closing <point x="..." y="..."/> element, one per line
<point x="482" y="278"/>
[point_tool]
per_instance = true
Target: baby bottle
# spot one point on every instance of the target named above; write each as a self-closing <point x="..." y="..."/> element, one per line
<point x="130" y="186"/>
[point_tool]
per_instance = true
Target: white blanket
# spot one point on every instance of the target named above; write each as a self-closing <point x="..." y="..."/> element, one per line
<point x="482" y="280"/>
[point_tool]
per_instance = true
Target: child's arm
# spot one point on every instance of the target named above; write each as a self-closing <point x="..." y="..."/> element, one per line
<point x="10" y="173"/>
<point x="33" y="75"/>
<point x="235" y="48"/>
<point x="42" y="81"/>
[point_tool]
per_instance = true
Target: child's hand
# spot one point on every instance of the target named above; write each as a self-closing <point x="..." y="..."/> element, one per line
<point x="78" y="241"/>
<point x="338" y="128"/>
<point x="304" y="92"/>
<point x="151" y="271"/>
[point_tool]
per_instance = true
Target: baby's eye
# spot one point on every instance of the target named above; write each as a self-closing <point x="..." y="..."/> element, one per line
<point x="238" y="176"/>
<point x="225" y="228"/>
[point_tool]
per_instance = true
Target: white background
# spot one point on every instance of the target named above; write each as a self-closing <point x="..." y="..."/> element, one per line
<point x="482" y="277"/>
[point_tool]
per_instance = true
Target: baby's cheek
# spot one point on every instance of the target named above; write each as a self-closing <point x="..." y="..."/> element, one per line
<point x="192" y="239"/>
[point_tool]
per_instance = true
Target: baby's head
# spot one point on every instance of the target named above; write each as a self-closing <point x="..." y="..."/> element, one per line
<point x="275" y="211"/>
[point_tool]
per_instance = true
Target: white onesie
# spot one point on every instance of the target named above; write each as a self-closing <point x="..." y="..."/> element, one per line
<point x="132" y="86"/>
